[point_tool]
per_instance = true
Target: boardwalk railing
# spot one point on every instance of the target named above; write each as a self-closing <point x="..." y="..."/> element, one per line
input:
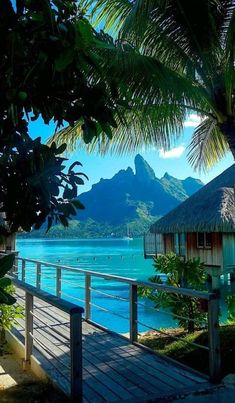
<point x="75" y="314"/>
<point x="88" y="291"/>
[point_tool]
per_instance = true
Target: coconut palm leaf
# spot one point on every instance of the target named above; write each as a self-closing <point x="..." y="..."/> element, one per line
<point x="157" y="126"/>
<point x="171" y="57"/>
<point x="208" y="145"/>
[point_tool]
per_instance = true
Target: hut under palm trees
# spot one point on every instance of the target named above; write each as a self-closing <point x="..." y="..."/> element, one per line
<point x="202" y="226"/>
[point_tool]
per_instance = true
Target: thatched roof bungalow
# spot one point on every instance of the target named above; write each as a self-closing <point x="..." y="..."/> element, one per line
<point x="202" y="226"/>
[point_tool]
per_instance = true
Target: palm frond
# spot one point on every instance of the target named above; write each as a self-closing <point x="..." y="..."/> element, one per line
<point x="111" y="14"/>
<point x="208" y="145"/>
<point x="152" y="126"/>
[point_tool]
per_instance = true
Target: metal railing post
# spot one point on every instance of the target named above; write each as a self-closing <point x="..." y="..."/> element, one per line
<point x="133" y="313"/>
<point x="58" y="282"/>
<point x="87" y="296"/>
<point x="28" y="327"/>
<point x="15" y="265"/>
<point x="38" y="276"/>
<point x="214" y="339"/>
<point x="23" y="270"/>
<point x="76" y="356"/>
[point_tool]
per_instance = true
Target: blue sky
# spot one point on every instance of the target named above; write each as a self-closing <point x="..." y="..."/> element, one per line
<point x="174" y="162"/>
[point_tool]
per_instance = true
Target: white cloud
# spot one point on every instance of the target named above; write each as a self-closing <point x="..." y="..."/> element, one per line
<point x="173" y="153"/>
<point x="193" y="120"/>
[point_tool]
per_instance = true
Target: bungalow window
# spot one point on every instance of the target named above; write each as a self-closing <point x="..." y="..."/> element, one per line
<point x="179" y="244"/>
<point x="204" y="240"/>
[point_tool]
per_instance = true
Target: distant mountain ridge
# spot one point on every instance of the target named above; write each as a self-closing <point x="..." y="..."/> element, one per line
<point x="135" y="198"/>
<point x="120" y="199"/>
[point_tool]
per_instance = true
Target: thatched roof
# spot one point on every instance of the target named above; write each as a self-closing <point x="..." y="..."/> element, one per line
<point x="211" y="209"/>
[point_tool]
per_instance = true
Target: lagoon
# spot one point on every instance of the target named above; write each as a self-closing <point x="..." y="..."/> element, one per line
<point x="112" y="256"/>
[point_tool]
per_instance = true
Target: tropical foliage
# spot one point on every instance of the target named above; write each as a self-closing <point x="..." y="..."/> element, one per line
<point x="6" y="263"/>
<point x="9" y="310"/>
<point x="48" y="69"/>
<point x="188" y="311"/>
<point x="170" y="57"/>
<point x="9" y="315"/>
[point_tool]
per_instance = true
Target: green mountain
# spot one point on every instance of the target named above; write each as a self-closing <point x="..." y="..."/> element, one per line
<point x="135" y="198"/>
<point x="121" y="198"/>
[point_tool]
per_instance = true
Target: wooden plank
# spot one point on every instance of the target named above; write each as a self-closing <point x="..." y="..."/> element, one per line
<point x="177" y="370"/>
<point x="113" y="374"/>
<point x="167" y="368"/>
<point x="76" y="356"/>
<point x="116" y="386"/>
<point x="157" y="363"/>
<point x="141" y="372"/>
<point x="114" y="369"/>
<point x="95" y="371"/>
<point x="107" y="385"/>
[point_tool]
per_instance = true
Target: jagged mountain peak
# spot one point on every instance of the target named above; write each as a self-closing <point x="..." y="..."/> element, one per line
<point x="143" y="170"/>
<point x="168" y="176"/>
<point x="128" y="195"/>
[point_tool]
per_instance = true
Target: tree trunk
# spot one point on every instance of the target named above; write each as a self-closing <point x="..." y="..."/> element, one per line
<point x="228" y="130"/>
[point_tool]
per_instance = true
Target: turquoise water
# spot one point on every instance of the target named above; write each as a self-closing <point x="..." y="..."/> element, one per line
<point x="112" y="256"/>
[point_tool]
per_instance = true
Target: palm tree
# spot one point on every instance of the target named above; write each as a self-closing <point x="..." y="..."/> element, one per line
<point x="170" y="57"/>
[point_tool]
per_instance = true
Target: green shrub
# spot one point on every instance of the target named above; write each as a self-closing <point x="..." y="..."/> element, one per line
<point x="9" y="310"/>
<point x="187" y="274"/>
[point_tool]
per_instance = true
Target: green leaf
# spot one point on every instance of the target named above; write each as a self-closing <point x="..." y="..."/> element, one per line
<point x="73" y="165"/>
<point x="78" y="204"/>
<point x="6" y="263"/>
<point x="68" y="193"/>
<point x="107" y="129"/>
<point x="63" y="220"/>
<point x="64" y="60"/>
<point x="6" y="298"/>
<point x="85" y="33"/>
<point x="4" y="282"/>
<point x="61" y="149"/>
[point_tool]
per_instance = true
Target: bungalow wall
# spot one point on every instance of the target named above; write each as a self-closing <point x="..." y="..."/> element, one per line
<point x="228" y="241"/>
<point x="210" y="256"/>
<point x="8" y="243"/>
<point x="169" y="243"/>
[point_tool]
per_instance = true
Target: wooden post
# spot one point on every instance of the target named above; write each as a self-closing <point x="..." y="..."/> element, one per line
<point x="23" y="270"/>
<point x="38" y="276"/>
<point x="215" y="283"/>
<point x="28" y="327"/>
<point x="133" y="313"/>
<point x="214" y="339"/>
<point x="87" y="296"/>
<point x="14" y="269"/>
<point x="58" y="282"/>
<point x="232" y="277"/>
<point x="76" y="356"/>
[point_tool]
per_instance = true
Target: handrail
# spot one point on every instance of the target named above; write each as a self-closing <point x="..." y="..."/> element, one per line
<point x="211" y="299"/>
<point x="75" y="314"/>
<point x="127" y="280"/>
<point x="59" y="303"/>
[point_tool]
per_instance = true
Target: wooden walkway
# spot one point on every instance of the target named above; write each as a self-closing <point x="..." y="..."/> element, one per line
<point x="114" y="370"/>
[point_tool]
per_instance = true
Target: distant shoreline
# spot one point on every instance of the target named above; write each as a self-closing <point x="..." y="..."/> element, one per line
<point x="23" y="238"/>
